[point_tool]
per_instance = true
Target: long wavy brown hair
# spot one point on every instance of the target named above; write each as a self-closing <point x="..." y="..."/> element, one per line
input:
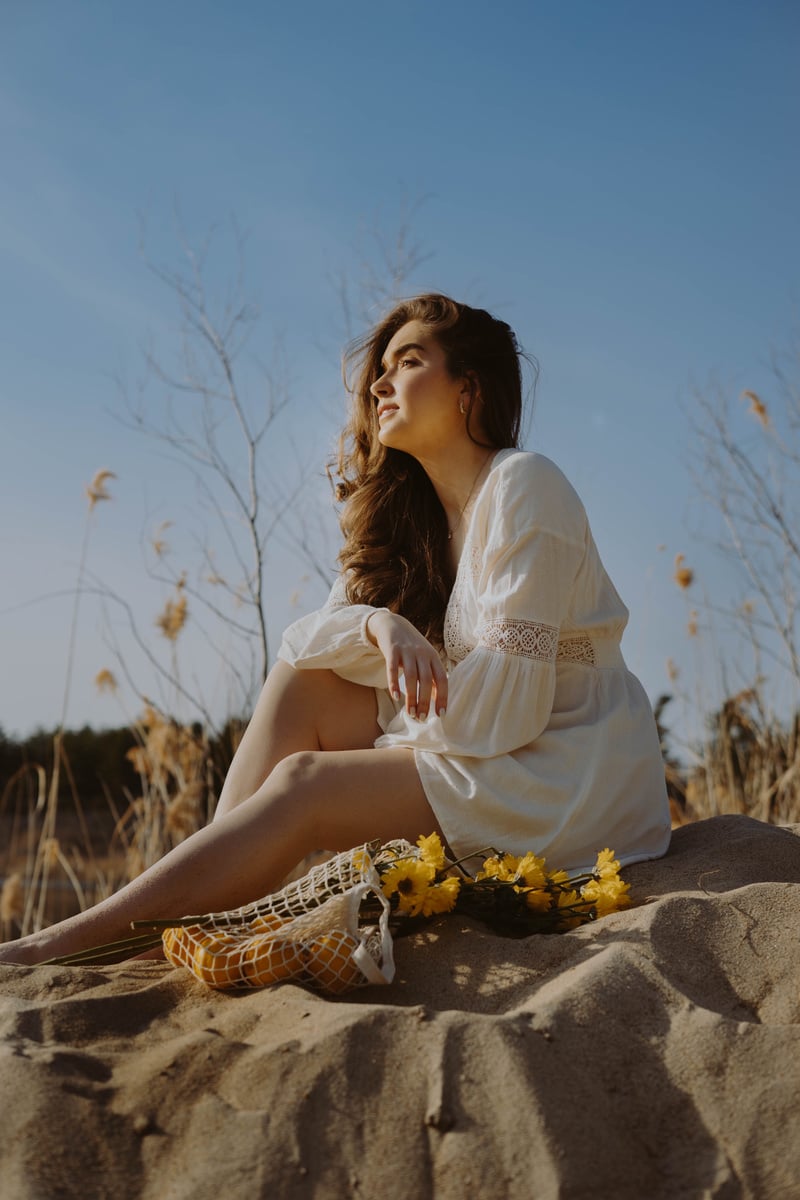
<point x="395" y="530"/>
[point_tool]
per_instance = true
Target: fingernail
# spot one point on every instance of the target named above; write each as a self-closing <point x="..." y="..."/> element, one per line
<point x="412" y="712"/>
<point x="441" y="712"/>
<point x="396" y="694"/>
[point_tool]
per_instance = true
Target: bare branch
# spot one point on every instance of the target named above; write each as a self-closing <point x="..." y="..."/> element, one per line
<point x="747" y="467"/>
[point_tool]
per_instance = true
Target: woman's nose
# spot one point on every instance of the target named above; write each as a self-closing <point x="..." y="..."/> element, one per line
<point x="381" y="387"/>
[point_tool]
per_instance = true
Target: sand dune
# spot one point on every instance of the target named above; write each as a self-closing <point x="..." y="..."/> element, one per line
<point x="653" y="1054"/>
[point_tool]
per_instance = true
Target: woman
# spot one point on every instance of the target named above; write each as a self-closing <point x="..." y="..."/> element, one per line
<point x="465" y="675"/>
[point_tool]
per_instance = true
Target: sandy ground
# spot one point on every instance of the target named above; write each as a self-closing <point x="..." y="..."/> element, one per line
<point x="653" y="1054"/>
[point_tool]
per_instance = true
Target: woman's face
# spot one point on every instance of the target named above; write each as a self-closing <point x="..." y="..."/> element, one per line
<point x="416" y="398"/>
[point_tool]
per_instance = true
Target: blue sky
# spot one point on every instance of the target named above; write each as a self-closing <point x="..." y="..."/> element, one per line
<point x="619" y="181"/>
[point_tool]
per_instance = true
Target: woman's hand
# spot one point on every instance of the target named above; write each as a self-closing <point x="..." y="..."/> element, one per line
<point x="407" y="651"/>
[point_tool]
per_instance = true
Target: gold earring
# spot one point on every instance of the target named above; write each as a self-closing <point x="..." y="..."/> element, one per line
<point x="461" y="408"/>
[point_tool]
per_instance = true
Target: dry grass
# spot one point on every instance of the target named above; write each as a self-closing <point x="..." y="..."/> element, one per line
<point x="47" y="866"/>
<point x="176" y="776"/>
<point x="752" y="765"/>
<point x="53" y="865"/>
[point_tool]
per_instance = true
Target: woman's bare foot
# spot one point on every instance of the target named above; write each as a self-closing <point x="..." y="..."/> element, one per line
<point x="25" y="951"/>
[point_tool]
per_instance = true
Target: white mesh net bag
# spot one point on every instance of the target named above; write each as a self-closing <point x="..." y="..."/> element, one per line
<point x="309" y="932"/>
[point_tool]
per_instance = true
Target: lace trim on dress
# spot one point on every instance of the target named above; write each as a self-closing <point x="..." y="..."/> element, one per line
<point x="576" y="649"/>
<point x="475" y="561"/>
<point x="527" y="638"/>
<point x="455" y="644"/>
<point x="530" y="639"/>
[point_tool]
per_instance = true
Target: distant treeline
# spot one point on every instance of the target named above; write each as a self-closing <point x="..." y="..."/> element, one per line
<point x="95" y="759"/>
<point x="95" y="763"/>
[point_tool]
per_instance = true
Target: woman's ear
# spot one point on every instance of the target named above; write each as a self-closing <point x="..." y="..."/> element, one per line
<point x="472" y="389"/>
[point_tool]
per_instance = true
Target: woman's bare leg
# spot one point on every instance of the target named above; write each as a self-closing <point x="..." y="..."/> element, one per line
<point x="332" y="798"/>
<point x="298" y="710"/>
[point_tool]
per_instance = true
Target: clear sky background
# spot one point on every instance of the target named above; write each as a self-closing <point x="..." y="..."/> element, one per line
<point x="619" y="181"/>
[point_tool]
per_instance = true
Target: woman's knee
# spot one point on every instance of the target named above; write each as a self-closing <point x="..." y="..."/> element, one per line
<point x="298" y="780"/>
<point x="305" y="796"/>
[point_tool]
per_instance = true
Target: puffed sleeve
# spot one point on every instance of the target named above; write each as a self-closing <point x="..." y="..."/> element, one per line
<point x="335" y="637"/>
<point x="534" y="536"/>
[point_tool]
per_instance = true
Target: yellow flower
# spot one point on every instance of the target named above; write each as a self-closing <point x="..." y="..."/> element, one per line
<point x="361" y="860"/>
<point x="432" y="851"/>
<point x="538" y="900"/>
<point x="504" y="868"/>
<point x="557" y="877"/>
<point x="606" y="895"/>
<point x="570" y="920"/>
<point x="530" y="871"/>
<point x="410" y="878"/>
<point x="440" y="897"/>
<point x="606" y="865"/>
<point x="489" y="869"/>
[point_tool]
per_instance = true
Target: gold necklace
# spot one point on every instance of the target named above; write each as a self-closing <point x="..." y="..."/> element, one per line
<point x="450" y="531"/>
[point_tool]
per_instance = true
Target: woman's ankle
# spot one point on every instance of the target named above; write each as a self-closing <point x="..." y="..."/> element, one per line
<point x="23" y="952"/>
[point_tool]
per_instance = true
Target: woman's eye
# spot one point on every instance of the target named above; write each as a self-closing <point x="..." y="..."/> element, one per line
<point x="407" y="362"/>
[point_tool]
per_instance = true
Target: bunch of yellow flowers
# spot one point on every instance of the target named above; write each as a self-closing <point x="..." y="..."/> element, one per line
<point x="420" y="882"/>
<point x="515" y="894"/>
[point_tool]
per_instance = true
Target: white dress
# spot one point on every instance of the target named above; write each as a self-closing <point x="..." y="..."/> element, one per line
<point x="548" y="742"/>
